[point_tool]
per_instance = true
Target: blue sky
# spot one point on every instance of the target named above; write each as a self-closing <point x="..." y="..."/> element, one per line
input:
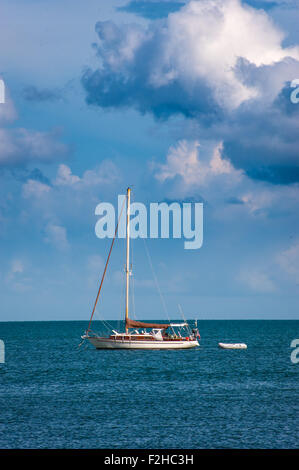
<point x="181" y="100"/>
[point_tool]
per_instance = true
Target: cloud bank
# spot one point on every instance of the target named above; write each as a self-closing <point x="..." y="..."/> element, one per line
<point x="221" y="63"/>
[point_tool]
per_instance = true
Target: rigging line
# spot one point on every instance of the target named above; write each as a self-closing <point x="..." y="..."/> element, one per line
<point x="133" y="297"/>
<point x="133" y="285"/>
<point x="123" y="295"/>
<point x="105" y="323"/>
<point x="132" y="254"/>
<point x="156" y="281"/>
<point x="123" y="290"/>
<point x="182" y="313"/>
<point x="121" y="300"/>
<point x="106" y="265"/>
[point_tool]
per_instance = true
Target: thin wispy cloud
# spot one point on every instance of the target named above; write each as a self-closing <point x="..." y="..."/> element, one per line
<point x="20" y="146"/>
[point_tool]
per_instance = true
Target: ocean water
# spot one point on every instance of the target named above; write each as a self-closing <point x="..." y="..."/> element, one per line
<point x="54" y="395"/>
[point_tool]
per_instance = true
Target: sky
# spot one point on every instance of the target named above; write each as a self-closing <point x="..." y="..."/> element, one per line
<point x="181" y="100"/>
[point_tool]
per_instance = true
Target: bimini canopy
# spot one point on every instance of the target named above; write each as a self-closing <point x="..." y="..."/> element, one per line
<point x="139" y="324"/>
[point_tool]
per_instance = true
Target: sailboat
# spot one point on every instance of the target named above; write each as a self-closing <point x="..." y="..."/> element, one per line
<point x="137" y="334"/>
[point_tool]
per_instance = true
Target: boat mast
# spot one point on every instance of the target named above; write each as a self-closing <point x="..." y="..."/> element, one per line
<point x="128" y="256"/>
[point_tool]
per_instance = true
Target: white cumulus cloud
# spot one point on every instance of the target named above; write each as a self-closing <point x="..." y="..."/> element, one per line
<point x="195" y="169"/>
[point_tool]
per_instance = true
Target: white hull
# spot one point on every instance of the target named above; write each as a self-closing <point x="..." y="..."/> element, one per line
<point x="232" y="346"/>
<point x="107" y="343"/>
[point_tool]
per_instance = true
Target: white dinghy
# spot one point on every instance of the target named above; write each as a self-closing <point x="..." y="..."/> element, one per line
<point x="232" y="345"/>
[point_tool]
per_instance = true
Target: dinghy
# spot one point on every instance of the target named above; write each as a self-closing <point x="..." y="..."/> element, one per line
<point x="232" y="345"/>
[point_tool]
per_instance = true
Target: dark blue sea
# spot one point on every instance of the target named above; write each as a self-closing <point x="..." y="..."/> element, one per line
<point x="54" y="395"/>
